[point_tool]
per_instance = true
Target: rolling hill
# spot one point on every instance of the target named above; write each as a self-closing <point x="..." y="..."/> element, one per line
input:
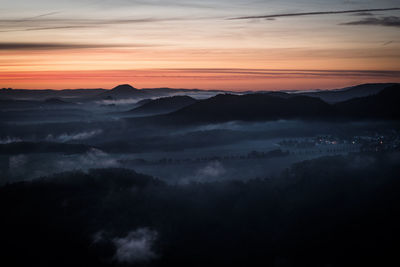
<point x="340" y="95"/>
<point x="123" y="91"/>
<point x="382" y="105"/>
<point x="163" y="105"/>
<point x="267" y="107"/>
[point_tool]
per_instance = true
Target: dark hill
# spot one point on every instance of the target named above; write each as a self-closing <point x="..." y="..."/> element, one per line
<point x="383" y="105"/>
<point x="15" y="104"/>
<point x="362" y="90"/>
<point x="164" y="105"/>
<point x="35" y="94"/>
<point x="266" y="107"/>
<point x="252" y="107"/>
<point x="57" y="102"/>
<point x="123" y="91"/>
<point x="144" y="101"/>
<point x="124" y="88"/>
<point x="280" y="94"/>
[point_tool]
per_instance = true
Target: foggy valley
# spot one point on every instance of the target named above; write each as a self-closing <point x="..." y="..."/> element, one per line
<point x="160" y="177"/>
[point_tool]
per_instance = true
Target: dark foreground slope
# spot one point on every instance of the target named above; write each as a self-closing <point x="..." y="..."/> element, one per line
<point x="333" y="211"/>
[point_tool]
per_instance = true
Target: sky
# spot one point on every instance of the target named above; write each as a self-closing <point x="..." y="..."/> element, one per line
<point x="225" y="44"/>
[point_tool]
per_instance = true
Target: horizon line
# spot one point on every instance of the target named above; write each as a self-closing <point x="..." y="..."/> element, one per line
<point x="199" y="89"/>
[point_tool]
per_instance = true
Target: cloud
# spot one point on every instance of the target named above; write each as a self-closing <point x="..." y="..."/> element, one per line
<point x="214" y="169"/>
<point x="8" y="140"/>
<point x="363" y="14"/>
<point x="94" y="158"/>
<point x="17" y="164"/>
<point x="209" y="173"/>
<point x="58" y="46"/>
<point x="290" y="73"/>
<point x="197" y="95"/>
<point x="391" y="21"/>
<point x="50" y="28"/>
<point x="136" y="247"/>
<point x="39" y="23"/>
<point x="98" y="237"/>
<point x="74" y="137"/>
<point x="126" y="101"/>
<point x="314" y="13"/>
<point x="58" y="28"/>
<point x="41" y="16"/>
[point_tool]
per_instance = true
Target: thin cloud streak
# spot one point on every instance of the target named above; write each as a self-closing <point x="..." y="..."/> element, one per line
<point x="363" y="14"/>
<point x="206" y="73"/>
<point x="52" y="28"/>
<point x="290" y="72"/>
<point x="14" y="25"/>
<point x="314" y="13"/>
<point x="59" y="28"/>
<point x="60" y="46"/>
<point x="391" y="21"/>
<point x="44" y="15"/>
<point x="107" y="21"/>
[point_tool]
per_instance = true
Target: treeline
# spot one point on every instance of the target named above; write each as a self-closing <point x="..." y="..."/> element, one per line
<point x="332" y="211"/>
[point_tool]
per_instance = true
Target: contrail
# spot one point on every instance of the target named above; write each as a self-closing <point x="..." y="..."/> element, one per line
<point x="315" y="13"/>
<point x="40" y="16"/>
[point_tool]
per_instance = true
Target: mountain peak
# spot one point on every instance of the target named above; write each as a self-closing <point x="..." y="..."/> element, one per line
<point x="124" y="88"/>
<point x="122" y="91"/>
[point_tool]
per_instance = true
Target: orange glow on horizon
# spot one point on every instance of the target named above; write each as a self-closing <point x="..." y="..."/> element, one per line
<point x="224" y="79"/>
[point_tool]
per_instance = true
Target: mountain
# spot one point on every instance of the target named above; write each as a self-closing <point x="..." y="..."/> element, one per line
<point x="382" y="105"/>
<point x="123" y="91"/>
<point x="339" y="95"/>
<point x="24" y="94"/>
<point x="57" y="102"/>
<point x="250" y="107"/>
<point x="266" y="107"/>
<point x="144" y="101"/>
<point x="279" y="94"/>
<point x="164" y="105"/>
<point x="12" y="104"/>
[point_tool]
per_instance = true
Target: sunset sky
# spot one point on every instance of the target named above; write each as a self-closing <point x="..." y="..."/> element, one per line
<point x="225" y="44"/>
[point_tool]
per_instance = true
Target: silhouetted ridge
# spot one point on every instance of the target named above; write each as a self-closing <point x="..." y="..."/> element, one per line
<point x="362" y="90"/>
<point x="253" y="107"/>
<point x="164" y="105"/>
<point x="144" y="101"/>
<point x="123" y="91"/>
<point x="56" y="101"/>
<point x="266" y="107"/>
<point x="383" y="105"/>
<point x="124" y="88"/>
